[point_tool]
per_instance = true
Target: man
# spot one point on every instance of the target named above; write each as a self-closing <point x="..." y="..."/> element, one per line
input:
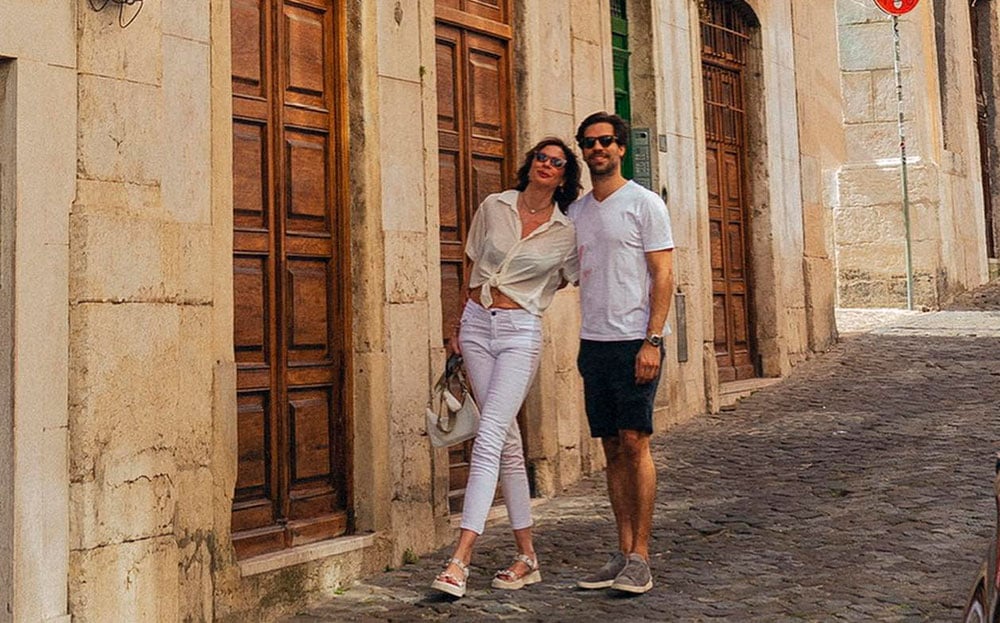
<point x="626" y="283"/>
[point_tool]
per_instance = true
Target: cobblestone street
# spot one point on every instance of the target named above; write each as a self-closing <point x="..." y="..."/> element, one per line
<point x="858" y="489"/>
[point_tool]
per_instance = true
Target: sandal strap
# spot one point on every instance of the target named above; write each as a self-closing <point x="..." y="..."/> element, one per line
<point x="451" y="579"/>
<point x="461" y="565"/>
<point x="531" y="562"/>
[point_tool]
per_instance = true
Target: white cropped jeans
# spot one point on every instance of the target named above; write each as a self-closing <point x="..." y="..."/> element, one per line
<point x="501" y="349"/>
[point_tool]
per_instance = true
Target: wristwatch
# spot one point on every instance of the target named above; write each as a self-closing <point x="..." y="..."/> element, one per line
<point x="655" y="339"/>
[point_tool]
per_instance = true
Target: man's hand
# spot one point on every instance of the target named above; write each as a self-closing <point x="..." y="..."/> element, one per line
<point x="647" y="364"/>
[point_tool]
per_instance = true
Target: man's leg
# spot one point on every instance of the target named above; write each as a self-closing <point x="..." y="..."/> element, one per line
<point x="619" y="482"/>
<point x="637" y="464"/>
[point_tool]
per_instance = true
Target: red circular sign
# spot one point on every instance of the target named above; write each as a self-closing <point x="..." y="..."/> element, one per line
<point x="896" y="7"/>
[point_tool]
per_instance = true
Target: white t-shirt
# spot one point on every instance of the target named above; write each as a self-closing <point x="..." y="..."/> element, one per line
<point x="612" y="239"/>
<point x="528" y="270"/>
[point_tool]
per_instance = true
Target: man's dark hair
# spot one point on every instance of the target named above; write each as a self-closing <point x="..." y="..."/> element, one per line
<point x="619" y="124"/>
<point x="570" y="188"/>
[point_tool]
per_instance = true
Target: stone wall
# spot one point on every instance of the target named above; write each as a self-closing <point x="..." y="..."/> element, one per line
<point x="141" y="319"/>
<point x="947" y="253"/>
<point x="126" y="234"/>
<point x="38" y="165"/>
<point x="679" y="129"/>
<point x="822" y="149"/>
<point x="406" y="87"/>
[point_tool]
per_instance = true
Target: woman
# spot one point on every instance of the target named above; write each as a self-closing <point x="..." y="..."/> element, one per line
<point x="523" y="249"/>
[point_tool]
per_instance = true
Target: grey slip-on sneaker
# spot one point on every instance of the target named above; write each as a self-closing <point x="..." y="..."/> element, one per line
<point x="635" y="577"/>
<point x="605" y="576"/>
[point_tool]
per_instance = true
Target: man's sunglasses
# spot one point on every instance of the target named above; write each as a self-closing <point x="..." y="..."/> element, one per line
<point x="587" y="142"/>
<point x="543" y="157"/>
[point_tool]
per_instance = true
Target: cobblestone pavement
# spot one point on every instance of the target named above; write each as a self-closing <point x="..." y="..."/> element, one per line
<point x="858" y="489"/>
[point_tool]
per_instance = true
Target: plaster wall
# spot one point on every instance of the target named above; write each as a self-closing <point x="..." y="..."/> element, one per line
<point x="37" y="174"/>
<point x="869" y="228"/>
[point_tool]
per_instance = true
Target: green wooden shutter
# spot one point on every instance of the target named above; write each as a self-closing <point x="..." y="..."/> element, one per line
<point x="620" y="55"/>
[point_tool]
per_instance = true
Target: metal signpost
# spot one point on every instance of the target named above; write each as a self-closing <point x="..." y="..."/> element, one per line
<point x="895" y="8"/>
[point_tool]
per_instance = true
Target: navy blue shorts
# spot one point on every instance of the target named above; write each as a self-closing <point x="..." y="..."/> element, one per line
<point x="613" y="399"/>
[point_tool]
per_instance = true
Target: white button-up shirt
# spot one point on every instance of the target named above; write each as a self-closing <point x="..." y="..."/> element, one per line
<point x="529" y="269"/>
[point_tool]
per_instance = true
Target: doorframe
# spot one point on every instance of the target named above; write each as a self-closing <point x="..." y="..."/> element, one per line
<point x="759" y="260"/>
<point x="35" y="417"/>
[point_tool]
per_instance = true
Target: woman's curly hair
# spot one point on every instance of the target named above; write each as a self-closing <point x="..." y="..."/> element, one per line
<point x="570" y="189"/>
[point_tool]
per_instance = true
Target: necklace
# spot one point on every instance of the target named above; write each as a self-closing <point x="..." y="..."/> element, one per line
<point x="524" y="204"/>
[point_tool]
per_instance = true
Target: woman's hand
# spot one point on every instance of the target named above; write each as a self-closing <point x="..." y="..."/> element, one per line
<point x="454" y="348"/>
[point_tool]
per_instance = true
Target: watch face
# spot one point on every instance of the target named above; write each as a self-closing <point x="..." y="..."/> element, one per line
<point x="655" y="340"/>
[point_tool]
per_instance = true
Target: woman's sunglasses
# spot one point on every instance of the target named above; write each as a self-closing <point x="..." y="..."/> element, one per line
<point x="587" y="142"/>
<point x="543" y="157"/>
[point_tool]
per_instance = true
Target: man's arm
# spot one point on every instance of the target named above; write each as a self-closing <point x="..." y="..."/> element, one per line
<point x="661" y="271"/>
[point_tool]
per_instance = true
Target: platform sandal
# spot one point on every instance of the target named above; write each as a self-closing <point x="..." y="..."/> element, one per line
<point x="449" y="583"/>
<point x="508" y="580"/>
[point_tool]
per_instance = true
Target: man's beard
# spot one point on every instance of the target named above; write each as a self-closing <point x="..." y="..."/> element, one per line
<point x="602" y="170"/>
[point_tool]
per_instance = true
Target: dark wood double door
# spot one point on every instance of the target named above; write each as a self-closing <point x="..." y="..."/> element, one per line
<point x="290" y="268"/>
<point x="475" y="157"/>
<point x="725" y="41"/>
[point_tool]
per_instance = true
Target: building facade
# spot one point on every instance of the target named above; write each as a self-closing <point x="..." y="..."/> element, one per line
<point x="231" y="235"/>
<point x="949" y="89"/>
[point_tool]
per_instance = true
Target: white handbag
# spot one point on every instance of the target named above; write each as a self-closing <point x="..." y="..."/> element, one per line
<point x="452" y="416"/>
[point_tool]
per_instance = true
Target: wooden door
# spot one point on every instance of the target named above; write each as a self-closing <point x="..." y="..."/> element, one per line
<point x="475" y="156"/>
<point x="979" y="13"/>
<point x="289" y="274"/>
<point x="724" y="43"/>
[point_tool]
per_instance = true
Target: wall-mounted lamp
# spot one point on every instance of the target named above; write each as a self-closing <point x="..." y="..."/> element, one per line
<point x="100" y="5"/>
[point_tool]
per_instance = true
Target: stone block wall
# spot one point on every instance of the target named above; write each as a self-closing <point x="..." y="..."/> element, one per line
<point x="126" y="235"/>
<point x="562" y="77"/>
<point x="141" y="318"/>
<point x="944" y="212"/>
<point x="681" y="175"/>
<point x="822" y="148"/>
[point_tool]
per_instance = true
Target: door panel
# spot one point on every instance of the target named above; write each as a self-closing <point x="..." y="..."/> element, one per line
<point x="474" y="141"/>
<point x="724" y="40"/>
<point x="288" y="270"/>
<point x="485" y="10"/>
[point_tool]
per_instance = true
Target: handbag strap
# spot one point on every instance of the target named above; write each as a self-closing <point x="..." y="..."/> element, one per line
<point x="454" y="369"/>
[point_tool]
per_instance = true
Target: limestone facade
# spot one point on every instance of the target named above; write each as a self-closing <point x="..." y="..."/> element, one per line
<point x="945" y="181"/>
<point x="118" y="432"/>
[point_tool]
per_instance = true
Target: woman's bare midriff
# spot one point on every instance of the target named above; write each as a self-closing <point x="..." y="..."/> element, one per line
<point x="500" y="300"/>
